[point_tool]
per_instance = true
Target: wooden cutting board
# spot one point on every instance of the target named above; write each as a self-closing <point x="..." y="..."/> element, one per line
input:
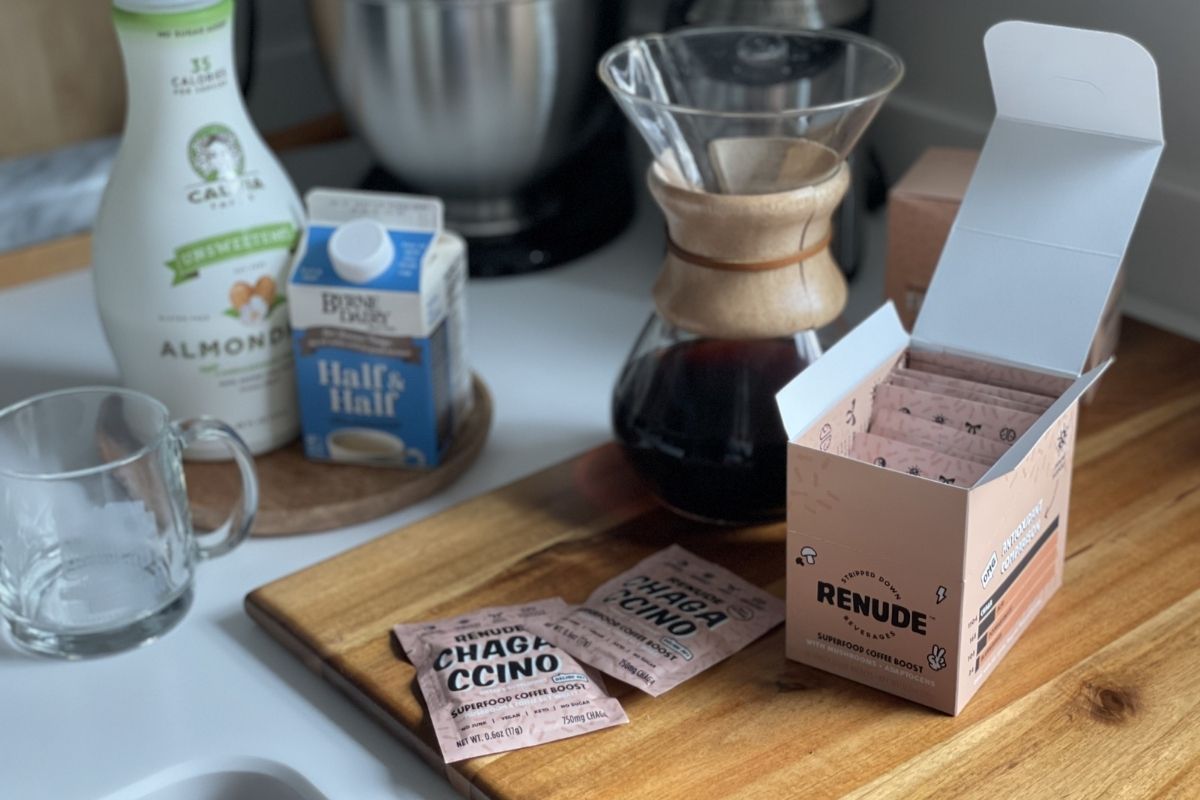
<point x="1098" y="698"/>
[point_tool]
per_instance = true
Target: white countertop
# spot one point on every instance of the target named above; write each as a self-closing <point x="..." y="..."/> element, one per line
<point x="549" y="345"/>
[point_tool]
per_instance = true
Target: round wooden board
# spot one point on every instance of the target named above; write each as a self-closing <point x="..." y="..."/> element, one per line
<point x="300" y="496"/>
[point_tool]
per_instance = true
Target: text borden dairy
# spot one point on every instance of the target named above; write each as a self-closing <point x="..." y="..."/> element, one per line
<point x="378" y="329"/>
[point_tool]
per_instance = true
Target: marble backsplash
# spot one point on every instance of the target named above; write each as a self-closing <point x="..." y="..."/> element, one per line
<point x="49" y="195"/>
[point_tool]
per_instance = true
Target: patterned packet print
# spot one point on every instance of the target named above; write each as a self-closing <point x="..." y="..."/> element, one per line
<point x="665" y="620"/>
<point x="1039" y="401"/>
<point x="989" y="421"/>
<point x="914" y="460"/>
<point x="980" y="371"/>
<point x="493" y="684"/>
<point x="953" y="391"/>
<point x="944" y="439"/>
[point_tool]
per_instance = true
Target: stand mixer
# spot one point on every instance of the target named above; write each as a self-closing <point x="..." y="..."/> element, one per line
<point x="491" y="105"/>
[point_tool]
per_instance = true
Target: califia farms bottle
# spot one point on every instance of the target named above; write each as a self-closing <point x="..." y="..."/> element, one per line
<point x="196" y="230"/>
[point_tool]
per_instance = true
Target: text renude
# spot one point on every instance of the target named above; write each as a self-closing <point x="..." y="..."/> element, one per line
<point x="884" y="611"/>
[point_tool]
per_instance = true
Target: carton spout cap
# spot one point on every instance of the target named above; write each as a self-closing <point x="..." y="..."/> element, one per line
<point x="361" y="250"/>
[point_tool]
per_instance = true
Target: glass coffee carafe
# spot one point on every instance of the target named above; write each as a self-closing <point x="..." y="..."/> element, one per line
<point x="750" y="129"/>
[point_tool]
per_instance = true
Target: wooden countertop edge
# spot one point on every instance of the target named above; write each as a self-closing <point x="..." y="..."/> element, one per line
<point x="45" y="260"/>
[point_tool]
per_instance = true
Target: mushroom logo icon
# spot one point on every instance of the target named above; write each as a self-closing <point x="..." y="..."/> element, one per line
<point x="807" y="556"/>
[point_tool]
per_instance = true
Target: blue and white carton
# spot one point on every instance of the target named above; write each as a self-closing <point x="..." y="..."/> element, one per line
<point x="377" y="298"/>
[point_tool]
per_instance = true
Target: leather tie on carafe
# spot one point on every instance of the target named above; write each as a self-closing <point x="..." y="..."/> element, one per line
<point x="749" y="266"/>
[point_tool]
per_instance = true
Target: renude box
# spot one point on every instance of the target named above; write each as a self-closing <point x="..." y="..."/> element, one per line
<point x="919" y="584"/>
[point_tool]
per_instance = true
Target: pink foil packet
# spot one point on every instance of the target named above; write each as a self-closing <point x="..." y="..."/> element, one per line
<point x="937" y="387"/>
<point x="1039" y="401"/>
<point x="914" y="460"/>
<point x="973" y="369"/>
<point x="968" y="416"/>
<point x="914" y="430"/>
<point x="492" y="683"/>
<point x="665" y="620"/>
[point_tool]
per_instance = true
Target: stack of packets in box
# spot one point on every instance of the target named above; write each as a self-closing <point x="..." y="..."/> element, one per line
<point x="507" y="677"/>
<point x="949" y="418"/>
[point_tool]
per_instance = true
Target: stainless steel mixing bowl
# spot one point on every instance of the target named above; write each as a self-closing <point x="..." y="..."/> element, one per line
<point x="472" y="100"/>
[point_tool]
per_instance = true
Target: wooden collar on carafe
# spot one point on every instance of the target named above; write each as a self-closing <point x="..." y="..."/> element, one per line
<point x="699" y="260"/>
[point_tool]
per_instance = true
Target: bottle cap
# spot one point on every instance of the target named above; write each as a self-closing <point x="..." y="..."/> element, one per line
<point x="361" y="250"/>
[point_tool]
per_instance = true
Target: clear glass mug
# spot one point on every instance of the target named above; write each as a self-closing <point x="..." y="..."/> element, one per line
<point x="97" y="551"/>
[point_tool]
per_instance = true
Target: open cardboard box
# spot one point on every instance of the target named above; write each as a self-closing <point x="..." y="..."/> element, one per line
<point x="920" y="587"/>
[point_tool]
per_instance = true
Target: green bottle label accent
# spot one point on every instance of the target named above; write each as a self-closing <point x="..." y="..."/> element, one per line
<point x="191" y="258"/>
<point x="156" y="22"/>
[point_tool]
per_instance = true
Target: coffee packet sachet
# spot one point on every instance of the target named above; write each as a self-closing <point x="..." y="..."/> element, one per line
<point x="975" y="418"/>
<point x="672" y="616"/>
<point x="1039" y="401"/>
<point x="493" y="683"/>
<point x="915" y="460"/>
<point x="926" y="433"/>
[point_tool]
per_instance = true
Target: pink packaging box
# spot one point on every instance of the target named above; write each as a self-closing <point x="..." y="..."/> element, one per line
<point x="908" y="583"/>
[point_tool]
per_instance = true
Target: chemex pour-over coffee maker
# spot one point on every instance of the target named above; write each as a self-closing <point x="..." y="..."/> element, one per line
<point x="750" y="129"/>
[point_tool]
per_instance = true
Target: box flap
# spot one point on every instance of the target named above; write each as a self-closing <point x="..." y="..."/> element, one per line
<point x="811" y="394"/>
<point x="1022" y="446"/>
<point x="1035" y="249"/>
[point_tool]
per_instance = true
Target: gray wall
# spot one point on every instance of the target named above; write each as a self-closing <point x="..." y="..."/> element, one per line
<point x="289" y="85"/>
<point x="945" y="99"/>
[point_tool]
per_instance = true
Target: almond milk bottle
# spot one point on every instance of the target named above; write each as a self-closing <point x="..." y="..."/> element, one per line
<point x="196" y="229"/>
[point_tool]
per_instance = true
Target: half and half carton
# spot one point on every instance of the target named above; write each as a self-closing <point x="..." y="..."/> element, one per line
<point x="378" y="312"/>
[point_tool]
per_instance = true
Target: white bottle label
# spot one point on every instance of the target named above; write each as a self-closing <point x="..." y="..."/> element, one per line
<point x="195" y="234"/>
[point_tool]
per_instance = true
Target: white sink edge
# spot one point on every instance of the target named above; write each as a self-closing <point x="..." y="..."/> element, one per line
<point x="217" y="777"/>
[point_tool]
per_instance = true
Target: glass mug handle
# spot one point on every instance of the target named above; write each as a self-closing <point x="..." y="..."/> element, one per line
<point x="233" y="531"/>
